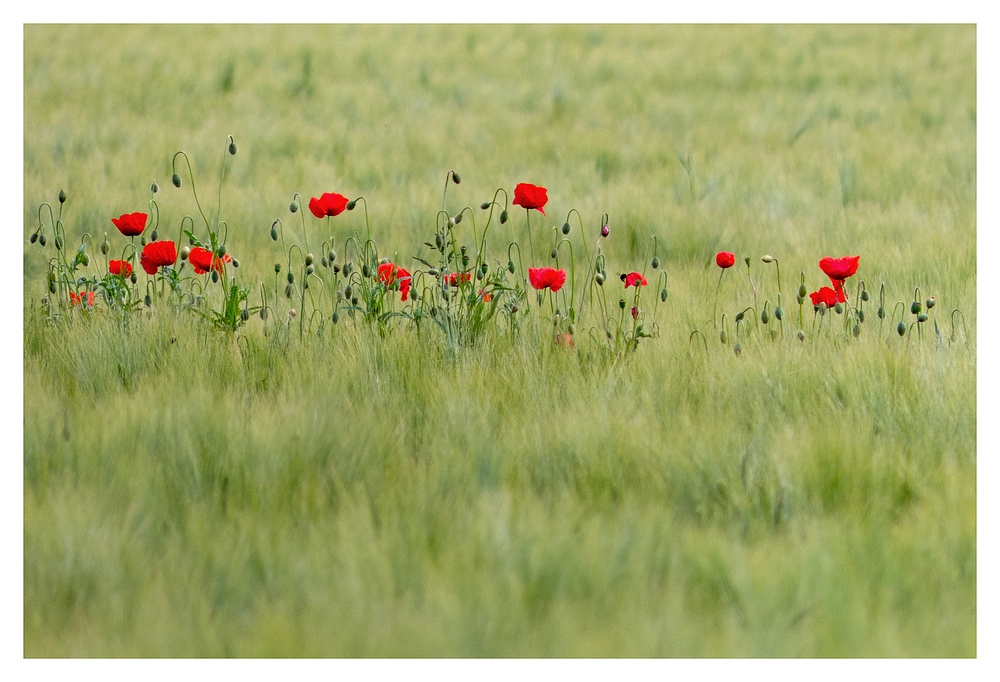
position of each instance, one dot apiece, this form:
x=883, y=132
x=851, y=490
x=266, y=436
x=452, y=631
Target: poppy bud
x=838, y=308
x=41, y=239
x=930, y=302
x=293, y=207
x=479, y=274
x=457, y=219
x=465, y=261
x=503, y=216
x=821, y=308
x=599, y=278
x=621, y=303
x=290, y=277
x=215, y=275
x=433, y=272
x=901, y=328
x=277, y=268
x=336, y=269
x=348, y=268
x=133, y=278
x=191, y=241
x=154, y=235
x=142, y=241
x=310, y=269
x=354, y=300
x=232, y=149
x=605, y=231
x=856, y=330
x=85, y=259
x=154, y=188
x=915, y=308
x=288, y=291
x=800, y=299
x=263, y=313
x=485, y=205
x=777, y=313
x=554, y=253
x=348, y=290
x=59, y=243
x=881, y=313
x=922, y=317
x=767, y=259
x=861, y=316
x=864, y=295
x=332, y=255
x=236, y=263
x=484, y=268
x=737, y=348
x=514, y=309
x=340, y=294
x=635, y=312
x=310, y=259
x=801, y=335
x=351, y=204
x=437, y=241
x=325, y=262
x=33, y=238
x=366, y=271
x=803, y=292
x=52, y=286
x=663, y=295
x=62, y=196
x=148, y=300
x=176, y=179
x=244, y=314
x=221, y=251
x=105, y=247
x=764, y=316
x=655, y=262
x=455, y=178
x=566, y=228
x=723, y=336
x=747, y=261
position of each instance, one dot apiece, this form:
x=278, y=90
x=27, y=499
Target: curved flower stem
x=173, y=167
x=572, y=276
x=752, y=286
x=715, y=307
x=222, y=176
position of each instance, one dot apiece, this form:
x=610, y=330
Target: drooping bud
x=133, y=278
x=221, y=251
x=325, y=262
x=52, y=286
x=293, y=207
x=348, y=269
x=244, y=314
x=503, y=216
x=803, y=292
x=510, y=266
x=84, y=258
x=290, y=277
x=62, y=196
x=457, y=219
x=605, y=230
x=351, y=204
x=737, y=348
x=232, y=149
x=801, y=335
x=142, y=241
x=554, y=253
x=366, y=271
x=724, y=337
x=348, y=291
x=663, y=295
x=881, y=313
x=778, y=313
x=33, y=238
x=332, y=255
x=310, y=259
x=215, y=275
x=335, y=318
x=856, y=330
x=263, y=313
x=861, y=316
x=288, y=291
x=433, y=272
x=599, y=278
x=41, y=239
x=635, y=312
x=354, y=300
x=655, y=262
x=922, y=317
x=566, y=228
x=105, y=247
x=438, y=242
x=148, y=300
x=485, y=205
x=154, y=188
x=310, y=269
x=930, y=302
x=176, y=179
x=864, y=295
x=915, y=308
x=838, y=308
x=454, y=176
x=901, y=328
x=767, y=258
x=154, y=235
x=764, y=317
x=59, y=243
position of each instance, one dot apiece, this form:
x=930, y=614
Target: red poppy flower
x=120, y=267
x=202, y=260
x=156, y=255
x=485, y=295
x=130, y=224
x=530, y=196
x=824, y=295
x=455, y=278
x=389, y=274
x=838, y=270
x=547, y=278
x=724, y=259
x=86, y=297
x=634, y=279
x=328, y=204
x=565, y=340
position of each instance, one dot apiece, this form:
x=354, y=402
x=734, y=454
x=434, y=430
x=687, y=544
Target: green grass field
x=374, y=491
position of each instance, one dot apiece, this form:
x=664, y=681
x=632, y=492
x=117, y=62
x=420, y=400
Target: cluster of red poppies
x=837, y=269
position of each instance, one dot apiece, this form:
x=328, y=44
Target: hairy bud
x=566, y=228
x=62, y=196
x=176, y=179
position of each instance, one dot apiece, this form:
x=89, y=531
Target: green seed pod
x=553, y=254
x=176, y=179
x=33, y=238
x=438, y=242
x=62, y=196
x=366, y=271
x=351, y=204
x=464, y=249
x=503, y=216
x=332, y=255
x=922, y=317
x=881, y=313
x=154, y=235
x=215, y=275
x=485, y=205
x=293, y=207
x=454, y=176
x=310, y=259
x=803, y=292
x=764, y=317
x=621, y=303
x=747, y=261
x=354, y=300
x=310, y=269
x=663, y=295
x=232, y=149
x=655, y=262
x=335, y=318
x=838, y=308
x=263, y=313
x=41, y=239
x=133, y=278
x=566, y=228
x=105, y=247
x=277, y=268
x=510, y=266
x=861, y=316
x=915, y=308
x=59, y=243
x=465, y=261
x=244, y=314
x=737, y=348
x=290, y=277
x=930, y=302
x=864, y=295
x=457, y=219
x=479, y=274
x=901, y=328
x=777, y=313
x=801, y=335
x=288, y=291
x=148, y=300
x=154, y=188
x=856, y=330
